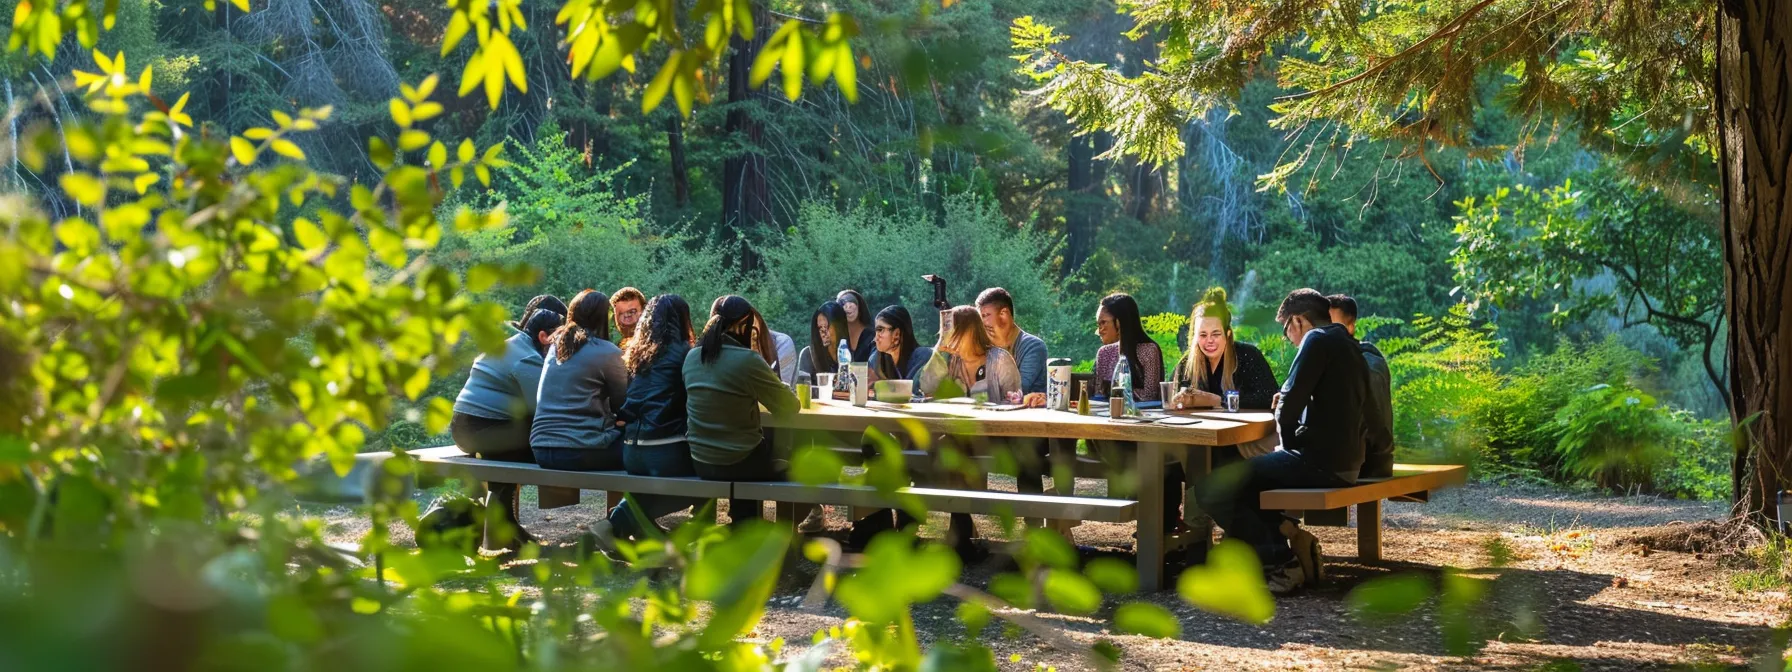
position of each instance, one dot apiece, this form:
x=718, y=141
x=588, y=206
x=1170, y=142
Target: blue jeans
x=671, y=460
x=1233, y=493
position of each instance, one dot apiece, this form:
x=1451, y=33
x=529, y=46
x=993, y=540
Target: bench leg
x=1150, y=494
x=550, y=497
x=1368, y=531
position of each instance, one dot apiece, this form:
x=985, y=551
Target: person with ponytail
x=726, y=381
x=583, y=381
x=496, y=408
x=1121, y=330
x=1216, y=362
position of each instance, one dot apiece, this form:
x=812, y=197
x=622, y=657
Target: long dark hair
x=666, y=320
x=898, y=318
x=1125, y=313
x=590, y=318
x=728, y=316
x=540, y=302
x=854, y=297
x=823, y=353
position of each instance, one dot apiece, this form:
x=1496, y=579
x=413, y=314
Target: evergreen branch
x=1448, y=30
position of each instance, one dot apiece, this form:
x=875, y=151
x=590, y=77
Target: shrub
x=1615, y=435
x=884, y=255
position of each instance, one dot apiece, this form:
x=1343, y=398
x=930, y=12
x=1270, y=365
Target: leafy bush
x=1443, y=379
x=569, y=223
x=883, y=256
x=1614, y=435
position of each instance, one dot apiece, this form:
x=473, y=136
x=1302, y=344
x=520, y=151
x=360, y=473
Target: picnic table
x=1189, y=443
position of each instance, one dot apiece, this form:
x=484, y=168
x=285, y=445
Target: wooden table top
x=1215, y=428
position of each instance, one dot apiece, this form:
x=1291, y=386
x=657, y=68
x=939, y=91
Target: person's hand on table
x=1275, y=403
x=1190, y=397
x=1034, y=400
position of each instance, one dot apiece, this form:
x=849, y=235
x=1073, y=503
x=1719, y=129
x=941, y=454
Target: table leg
x=1062, y=456
x=1196, y=470
x=1150, y=546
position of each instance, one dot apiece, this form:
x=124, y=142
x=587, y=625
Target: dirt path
x=1569, y=596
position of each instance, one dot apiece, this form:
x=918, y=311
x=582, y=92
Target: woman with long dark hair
x=496, y=407
x=858, y=332
x=1121, y=330
x=653, y=416
x=582, y=383
x=826, y=329
x=726, y=381
x=898, y=356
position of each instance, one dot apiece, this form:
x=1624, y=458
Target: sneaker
x=1306, y=551
x=1285, y=578
x=815, y=523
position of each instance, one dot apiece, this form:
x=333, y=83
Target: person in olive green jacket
x=726, y=381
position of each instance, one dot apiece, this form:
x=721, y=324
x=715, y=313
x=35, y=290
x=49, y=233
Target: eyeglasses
x=1287, y=327
x=885, y=330
x=629, y=314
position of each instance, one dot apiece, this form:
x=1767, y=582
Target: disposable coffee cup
x=1057, y=385
x=860, y=382
x=824, y=385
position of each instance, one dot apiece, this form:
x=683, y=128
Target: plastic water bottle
x=1123, y=378
x=843, y=380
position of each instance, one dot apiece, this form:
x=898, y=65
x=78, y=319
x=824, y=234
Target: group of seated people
x=657, y=397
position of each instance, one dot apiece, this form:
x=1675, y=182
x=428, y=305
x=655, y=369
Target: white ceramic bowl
x=893, y=391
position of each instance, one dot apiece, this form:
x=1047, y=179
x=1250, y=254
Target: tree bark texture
x=681, y=176
x=1754, y=108
x=746, y=190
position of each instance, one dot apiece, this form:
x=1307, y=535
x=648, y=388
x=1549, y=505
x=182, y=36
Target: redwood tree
x=1693, y=82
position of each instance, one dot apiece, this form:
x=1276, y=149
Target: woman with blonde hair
x=1217, y=363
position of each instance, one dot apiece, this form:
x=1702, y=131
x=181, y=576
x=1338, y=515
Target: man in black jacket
x=1320, y=420
x=1378, y=407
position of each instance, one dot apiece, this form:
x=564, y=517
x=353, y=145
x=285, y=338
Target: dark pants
x=604, y=458
x=671, y=460
x=1232, y=495
x=759, y=465
x=1119, y=455
x=499, y=441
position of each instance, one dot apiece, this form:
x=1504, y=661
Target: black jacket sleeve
x=1303, y=377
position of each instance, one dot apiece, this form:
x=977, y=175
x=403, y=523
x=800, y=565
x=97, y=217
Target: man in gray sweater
x=996, y=306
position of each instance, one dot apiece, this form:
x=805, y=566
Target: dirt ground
x=1567, y=591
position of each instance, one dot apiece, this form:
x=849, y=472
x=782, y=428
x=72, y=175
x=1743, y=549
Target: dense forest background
x=1551, y=308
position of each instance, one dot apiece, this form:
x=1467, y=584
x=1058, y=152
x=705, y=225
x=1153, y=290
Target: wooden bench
x=561, y=488
x=982, y=502
x=1329, y=506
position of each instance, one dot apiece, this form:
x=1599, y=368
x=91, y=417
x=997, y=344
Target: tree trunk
x=746, y=193
x=681, y=177
x=1079, y=223
x=1754, y=111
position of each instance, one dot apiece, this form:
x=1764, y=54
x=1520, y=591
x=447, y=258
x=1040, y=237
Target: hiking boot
x=1285, y=578
x=503, y=529
x=814, y=523
x=1306, y=551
